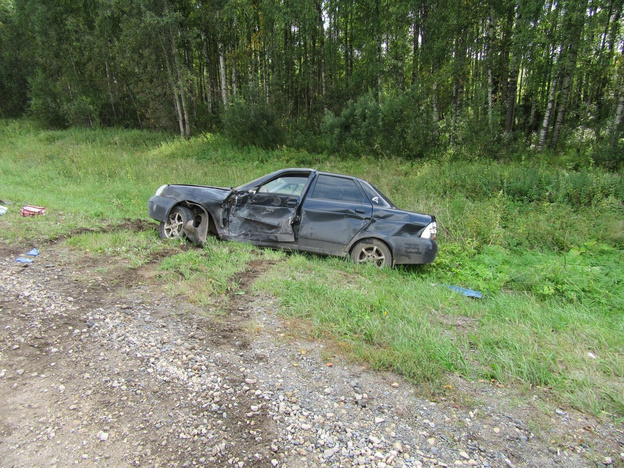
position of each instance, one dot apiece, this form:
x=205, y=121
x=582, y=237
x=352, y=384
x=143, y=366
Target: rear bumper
x=414, y=251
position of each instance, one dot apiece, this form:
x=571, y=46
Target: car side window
x=337, y=189
x=374, y=195
x=288, y=185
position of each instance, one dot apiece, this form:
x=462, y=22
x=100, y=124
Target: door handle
x=360, y=210
x=291, y=202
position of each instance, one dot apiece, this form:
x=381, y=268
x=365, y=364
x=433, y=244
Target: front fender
x=158, y=207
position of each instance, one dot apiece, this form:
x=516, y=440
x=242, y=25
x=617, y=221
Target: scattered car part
x=30, y=210
x=466, y=292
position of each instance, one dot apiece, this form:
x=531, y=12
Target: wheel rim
x=372, y=254
x=173, y=227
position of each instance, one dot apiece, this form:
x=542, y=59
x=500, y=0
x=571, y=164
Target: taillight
x=430, y=232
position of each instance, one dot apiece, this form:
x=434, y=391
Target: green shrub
x=396, y=127
x=407, y=130
x=205, y=119
x=355, y=130
x=45, y=102
x=248, y=124
x=610, y=155
x=81, y=112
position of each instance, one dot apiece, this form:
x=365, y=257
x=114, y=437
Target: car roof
x=306, y=170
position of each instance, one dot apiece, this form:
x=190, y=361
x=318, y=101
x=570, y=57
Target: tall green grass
x=542, y=242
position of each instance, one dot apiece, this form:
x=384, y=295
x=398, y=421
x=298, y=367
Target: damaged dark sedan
x=300, y=209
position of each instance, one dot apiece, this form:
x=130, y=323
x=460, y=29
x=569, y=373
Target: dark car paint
x=298, y=222
x=331, y=225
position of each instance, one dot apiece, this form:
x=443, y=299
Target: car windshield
x=296, y=173
x=250, y=185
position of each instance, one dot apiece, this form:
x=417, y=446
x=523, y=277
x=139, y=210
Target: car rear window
x=337, y=189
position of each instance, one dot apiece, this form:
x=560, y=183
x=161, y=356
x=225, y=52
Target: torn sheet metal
x=262, y=217
x=269, y=224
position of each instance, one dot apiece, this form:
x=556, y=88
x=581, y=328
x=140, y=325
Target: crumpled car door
x=263, y=217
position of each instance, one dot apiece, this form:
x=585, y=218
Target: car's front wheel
x=173, y=227
x=372, y=251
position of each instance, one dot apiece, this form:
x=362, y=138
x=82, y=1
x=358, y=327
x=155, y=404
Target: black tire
x=173, y=227
x=372, y=251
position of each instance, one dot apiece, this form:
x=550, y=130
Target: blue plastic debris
x=24, y=260
x=33, y=252
x=464, y=291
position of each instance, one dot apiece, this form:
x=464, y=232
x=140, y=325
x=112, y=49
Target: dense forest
x=379, y=77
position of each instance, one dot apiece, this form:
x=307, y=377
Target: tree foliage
x=380, y=76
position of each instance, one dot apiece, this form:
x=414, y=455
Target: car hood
x=197, y=193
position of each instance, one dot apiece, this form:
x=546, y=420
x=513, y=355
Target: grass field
x=542, y=241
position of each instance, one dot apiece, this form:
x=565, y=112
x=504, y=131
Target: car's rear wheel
x=372, y=251
x=173, y=227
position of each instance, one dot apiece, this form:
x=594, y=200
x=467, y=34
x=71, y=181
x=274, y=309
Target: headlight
x=430, y=232
x=160, y=189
